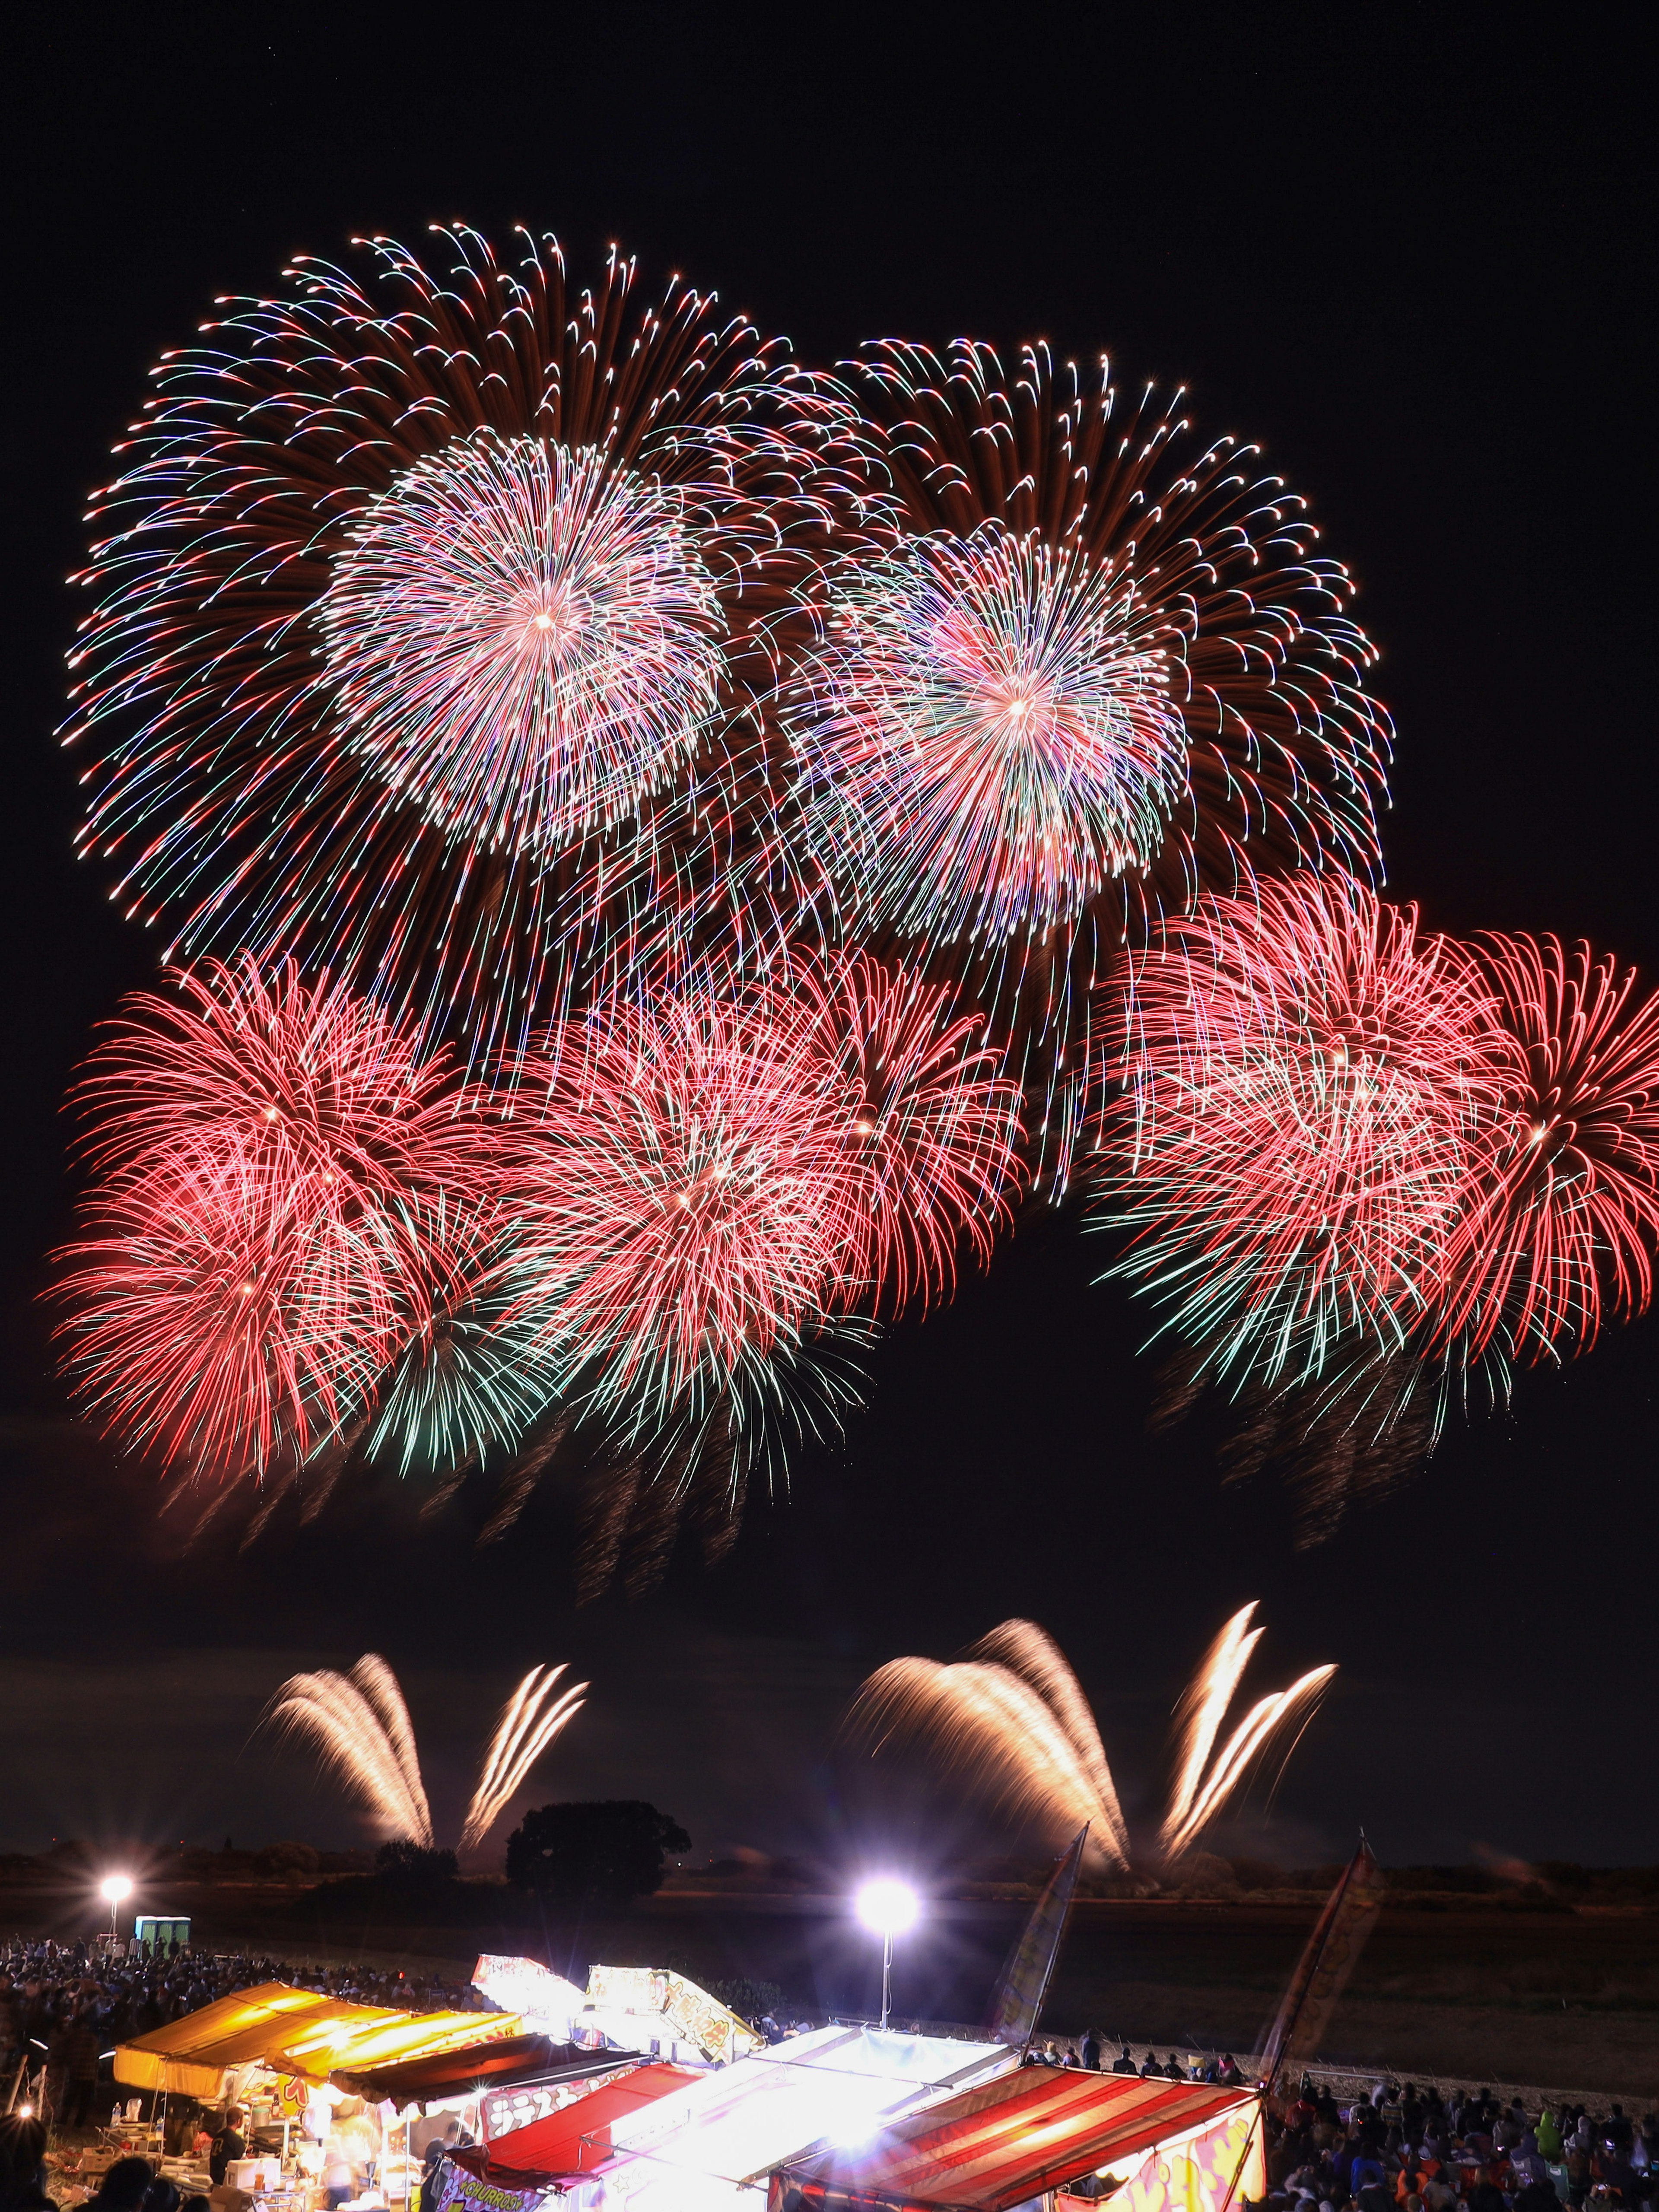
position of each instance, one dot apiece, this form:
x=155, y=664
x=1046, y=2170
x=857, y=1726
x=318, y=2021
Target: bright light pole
x=888, y=1908
x=115, y=1889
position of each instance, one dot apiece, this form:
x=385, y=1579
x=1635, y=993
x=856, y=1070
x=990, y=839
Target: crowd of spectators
x=1406, y=2149
x=65, y=2006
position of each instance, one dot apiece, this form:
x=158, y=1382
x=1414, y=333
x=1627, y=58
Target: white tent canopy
x=709, y=2147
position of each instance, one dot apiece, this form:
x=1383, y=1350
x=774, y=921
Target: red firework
x=1559, y=1225
x=932, y=1126
x=1309, y=1082
x=275, y=1172
x=682, y=1194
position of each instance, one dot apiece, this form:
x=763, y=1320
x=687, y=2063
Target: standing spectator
x=76, y=2109
x=1091, y=2052
x=228, y=2145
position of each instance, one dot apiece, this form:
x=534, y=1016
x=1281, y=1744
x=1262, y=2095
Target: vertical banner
x=1333, y=1951
x=1017, y=2001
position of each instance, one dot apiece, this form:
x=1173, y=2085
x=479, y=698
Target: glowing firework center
x=985, y=737
x=524, y=639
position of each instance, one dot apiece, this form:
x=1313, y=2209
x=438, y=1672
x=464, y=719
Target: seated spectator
x=125, y=2187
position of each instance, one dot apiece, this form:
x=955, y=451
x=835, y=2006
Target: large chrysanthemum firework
x=274, y=1170
x=1309, y=1081
x=1560, y=1216
x=415, y=581
x=1102, y=659
x=988, y=738
x=525, y=640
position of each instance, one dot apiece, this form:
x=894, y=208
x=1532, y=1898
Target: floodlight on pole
x=888, y=1909
x=115, y=1889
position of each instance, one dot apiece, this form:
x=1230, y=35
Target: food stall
x=711, y=2146
x=1042, y=2135
x=645, y=2008
x=297, y=2064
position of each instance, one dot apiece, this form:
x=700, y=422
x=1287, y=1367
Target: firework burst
x=1099, y=658
x=274, y=1168
x=1560, y=1214
x=683, y=1198
x=931, y=1128
x=986, y=737
x=414, y=580
x=1309, y=1078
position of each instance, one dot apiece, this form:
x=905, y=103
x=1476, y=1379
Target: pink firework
x=1559, y=1225
x=525, y=640
x=685, y=1200
x=1309, y=1079
x=275, y=1176
x=932, y=1126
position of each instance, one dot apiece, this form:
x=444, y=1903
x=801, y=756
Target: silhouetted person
x=125, y=2187
x=23, y=2165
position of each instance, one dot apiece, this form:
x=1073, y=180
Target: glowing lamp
x=888, y=1909
x=116, y=1889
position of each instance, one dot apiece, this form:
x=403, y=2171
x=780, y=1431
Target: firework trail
x=1561, y=1215
x=1207, y=1779
x=417, y=578
x=272, y=1167
x=1014, y=1716
x=530, y=1720
x=1308, y=1080
x=361, y=1725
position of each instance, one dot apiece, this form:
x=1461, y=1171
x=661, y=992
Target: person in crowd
x=23, y=2165
x=1125, y=2061
x=125, y=2187
x=228, y=2145
x=1150, y=2068
x=432, y=2162
x=1091, y=2052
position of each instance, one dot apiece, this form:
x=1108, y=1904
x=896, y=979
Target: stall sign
x=464, y=2192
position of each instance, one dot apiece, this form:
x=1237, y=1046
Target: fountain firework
x=361, y=1724
x=1013, y=1714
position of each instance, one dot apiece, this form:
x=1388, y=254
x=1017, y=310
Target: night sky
x=1402, y=246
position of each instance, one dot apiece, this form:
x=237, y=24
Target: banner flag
x=1017, y=2001
x=1332, y=1952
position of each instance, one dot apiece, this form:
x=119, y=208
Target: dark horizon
x=1395, y=249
